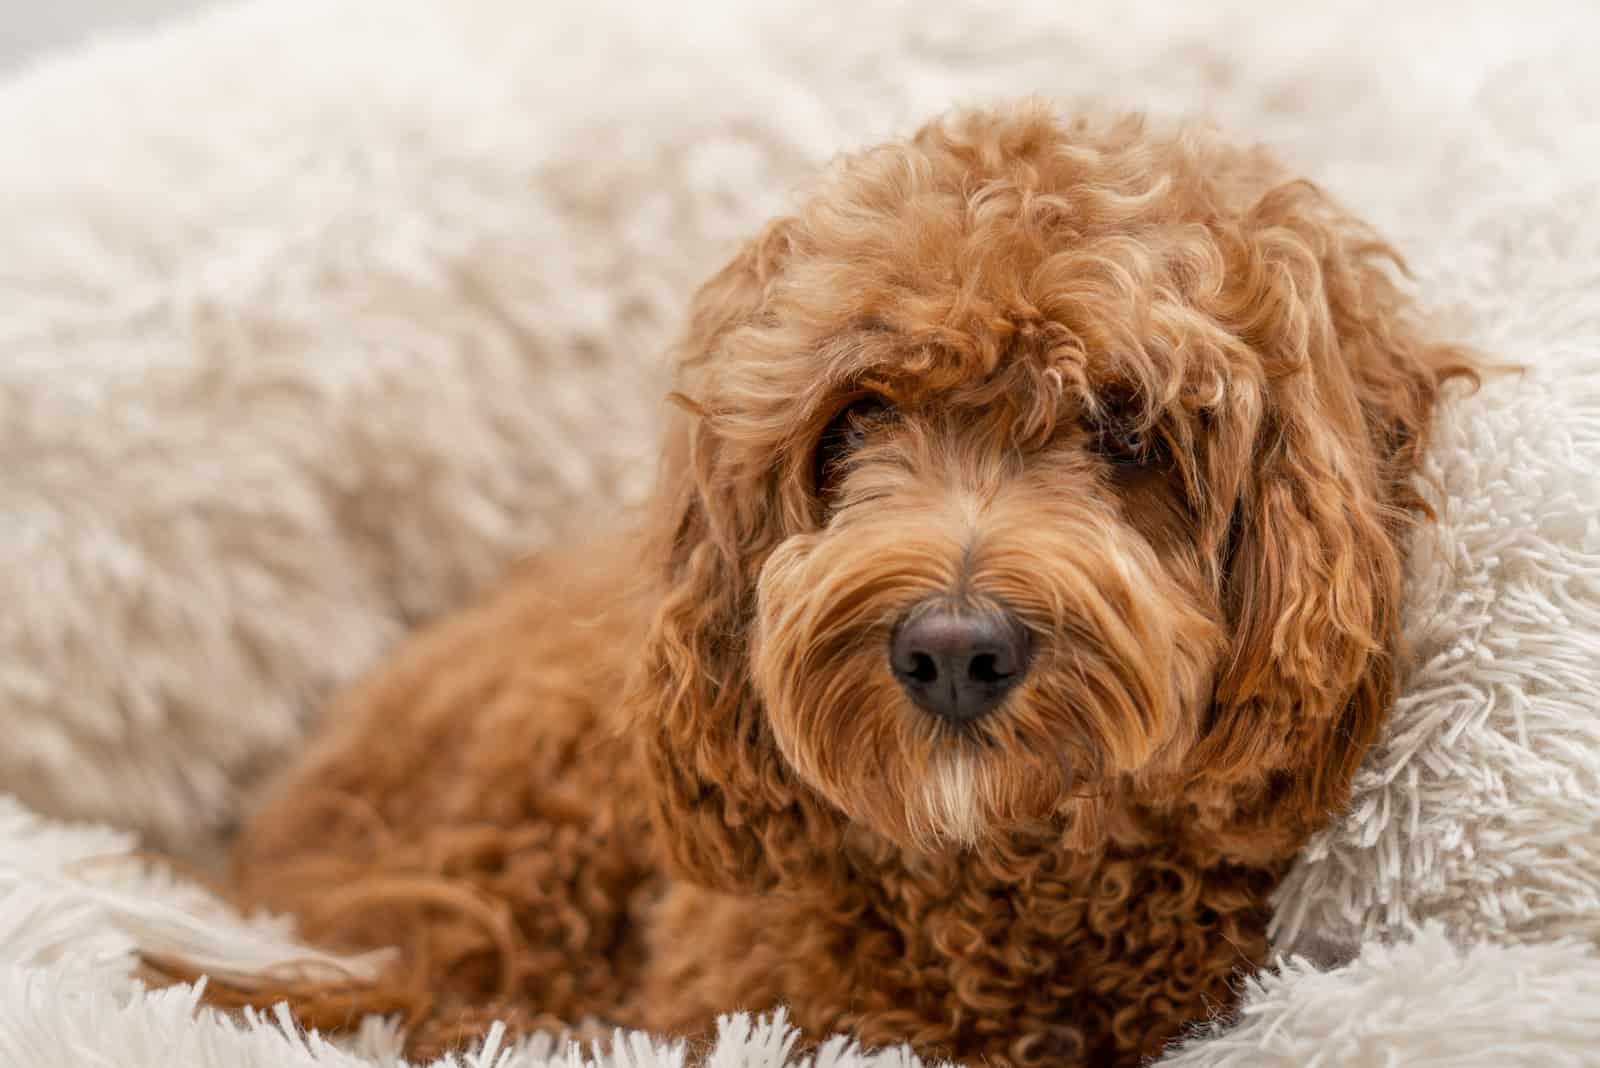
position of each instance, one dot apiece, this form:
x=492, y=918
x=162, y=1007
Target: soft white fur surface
x=1420, y=1003
x=313, y=314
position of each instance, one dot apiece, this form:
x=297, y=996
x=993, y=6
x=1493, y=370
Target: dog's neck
x=1226, y=830
x=1031, y=910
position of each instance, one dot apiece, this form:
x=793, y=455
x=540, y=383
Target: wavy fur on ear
x=1324, y=508
x=729, y=812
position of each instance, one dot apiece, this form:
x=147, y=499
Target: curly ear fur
x=1313, y=571
x=728, y=811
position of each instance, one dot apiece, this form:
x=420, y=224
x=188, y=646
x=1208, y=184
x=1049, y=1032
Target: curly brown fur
x=1148, y=394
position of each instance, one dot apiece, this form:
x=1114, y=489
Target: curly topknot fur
x=1151, y=398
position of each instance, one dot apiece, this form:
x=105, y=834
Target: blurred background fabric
x=31, y=30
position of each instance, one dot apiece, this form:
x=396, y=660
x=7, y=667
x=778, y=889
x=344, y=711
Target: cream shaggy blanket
x=313, y=315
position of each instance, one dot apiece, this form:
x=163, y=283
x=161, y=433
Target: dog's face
x=1001, y=597
x=1030, y=472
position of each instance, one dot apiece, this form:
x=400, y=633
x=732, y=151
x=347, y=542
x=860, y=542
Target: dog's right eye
x=845, y=433
x=1118, y=434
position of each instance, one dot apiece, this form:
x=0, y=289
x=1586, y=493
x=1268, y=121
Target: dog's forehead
x=1058, y=267
x=1028, y=359
x=984, y=316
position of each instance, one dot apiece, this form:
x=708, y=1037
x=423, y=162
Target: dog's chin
x=927, y=790
x=969, y=800
x=955, y=798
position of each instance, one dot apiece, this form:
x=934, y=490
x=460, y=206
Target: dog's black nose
x=958, y=662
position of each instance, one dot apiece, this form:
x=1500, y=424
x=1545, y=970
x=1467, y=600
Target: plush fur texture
x=1145, y=392
x=1459, y=128
x=255, y=432
x=1452, y=817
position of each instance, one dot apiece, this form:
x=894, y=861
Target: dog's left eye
x=845, y=434
x=1123, y=444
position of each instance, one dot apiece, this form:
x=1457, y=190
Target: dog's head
x=1029, y=473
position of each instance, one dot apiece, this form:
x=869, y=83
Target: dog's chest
x=1069, y=960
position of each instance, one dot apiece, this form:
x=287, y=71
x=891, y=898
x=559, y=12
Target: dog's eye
x=846, y=433
x=1123, y=439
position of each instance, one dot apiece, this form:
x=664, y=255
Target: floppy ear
x=1312, y=574
x=728, y=811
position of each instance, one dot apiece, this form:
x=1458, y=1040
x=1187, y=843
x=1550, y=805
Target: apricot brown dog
x=1019, y=594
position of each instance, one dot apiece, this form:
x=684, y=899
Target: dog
x=1018, y=595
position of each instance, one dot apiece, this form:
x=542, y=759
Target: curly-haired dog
x=1020, y=594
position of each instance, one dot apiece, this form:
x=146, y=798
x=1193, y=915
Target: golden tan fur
x=1157, y=398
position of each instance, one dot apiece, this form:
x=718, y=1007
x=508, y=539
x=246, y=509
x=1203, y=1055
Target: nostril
x=923, y=668
x=985, y=667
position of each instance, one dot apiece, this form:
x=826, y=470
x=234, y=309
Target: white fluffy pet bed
x=313, y=314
